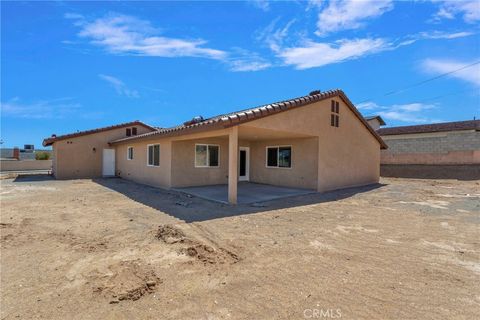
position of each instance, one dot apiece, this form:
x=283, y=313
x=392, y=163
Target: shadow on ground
x=33, y=178
x=190, y=208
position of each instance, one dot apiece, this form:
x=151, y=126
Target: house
x=419, y=150
x=375, y=121
x=318, y=141
x=84, y=154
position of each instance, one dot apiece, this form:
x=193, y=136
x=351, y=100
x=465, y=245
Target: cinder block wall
x=460, y=147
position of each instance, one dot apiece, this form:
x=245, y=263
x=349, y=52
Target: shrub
x=42, y=155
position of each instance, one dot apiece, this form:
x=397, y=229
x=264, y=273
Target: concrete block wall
x=460, y=147
x=450, y=141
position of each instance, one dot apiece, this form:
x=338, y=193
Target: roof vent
x=314, y=92
x=194, y=120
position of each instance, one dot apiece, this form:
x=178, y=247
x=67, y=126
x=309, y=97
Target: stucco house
x=318, y=141
x=87, y=154
x=375, y=121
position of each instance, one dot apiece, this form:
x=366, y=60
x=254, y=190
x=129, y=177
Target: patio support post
x=232, y=165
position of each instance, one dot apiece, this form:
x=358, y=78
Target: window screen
x=154, y=155
x=272, y=157
x=201, y=155
x=285, y=157
x=213, y=156
x=150, y=155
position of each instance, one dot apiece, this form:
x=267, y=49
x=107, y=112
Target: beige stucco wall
x=76, y=157
x=347, y=156
x=302, y=174
x=374, y=123
x=137, y=168
x=184, y=172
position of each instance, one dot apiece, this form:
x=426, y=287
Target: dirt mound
x=127, y=280
x=206, y=253
x=170, y=234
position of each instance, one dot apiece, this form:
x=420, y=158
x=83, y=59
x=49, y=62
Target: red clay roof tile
x=235, y=118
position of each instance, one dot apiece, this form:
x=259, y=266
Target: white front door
x=108, y=167
x=244, y=164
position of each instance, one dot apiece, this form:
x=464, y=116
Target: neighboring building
x=319, y=141
x=435, y=145
x=375, y=122
x=27, y=153
x=80, y=154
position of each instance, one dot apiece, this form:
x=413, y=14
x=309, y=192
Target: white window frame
x=278, y=157
x=208, y=155
x=159, y=152
x=128, y=153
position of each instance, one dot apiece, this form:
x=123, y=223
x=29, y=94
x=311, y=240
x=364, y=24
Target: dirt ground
x=112, y=249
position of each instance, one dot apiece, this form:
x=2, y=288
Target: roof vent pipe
x=194, y=120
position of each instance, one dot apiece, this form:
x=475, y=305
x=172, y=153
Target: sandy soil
x=112, y=249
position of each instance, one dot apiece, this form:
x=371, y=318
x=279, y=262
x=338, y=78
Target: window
x=279, y=157
x=207, y=155
x=130, y=153
x=153, y=155
x=334, y=117
x=134, y=131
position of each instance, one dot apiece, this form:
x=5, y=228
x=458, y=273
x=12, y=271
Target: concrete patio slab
x=248, y=192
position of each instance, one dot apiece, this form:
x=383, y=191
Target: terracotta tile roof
x=434, y=127
x=49, y=141
x=242, y=116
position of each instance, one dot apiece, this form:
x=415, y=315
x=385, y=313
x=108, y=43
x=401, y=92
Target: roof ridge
x=238, y=117
x=48, y=141
x=432, y=127
x=228, y=116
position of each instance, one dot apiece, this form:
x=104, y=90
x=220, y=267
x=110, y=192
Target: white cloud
x=261, y=4
x=411, y=112
x=346, y=14
x=439, y=66
x=246, y=65
x=274, y=37
x=468, y=9
x=444, y=35
x=123, y=34
x=316, y=54
x=119, y=86
x=310, y=54
x=44, y=109
x=241, y=60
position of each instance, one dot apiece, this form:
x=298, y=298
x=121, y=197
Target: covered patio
x=231, y=165
x=247, y=192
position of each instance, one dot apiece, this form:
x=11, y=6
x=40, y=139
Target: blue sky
x=68, y=66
